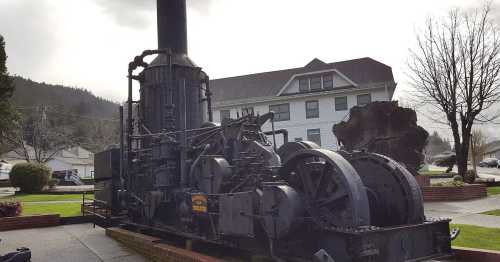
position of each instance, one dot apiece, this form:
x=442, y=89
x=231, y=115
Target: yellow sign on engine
x=199, y=203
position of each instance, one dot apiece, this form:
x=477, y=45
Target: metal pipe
x=274, y=133
x=208, y=95
x=195, y=163
x=172, y=25
x=176, y=132
x=122, y=144
x=129, y=125
x=183, y=134
x=283, y=132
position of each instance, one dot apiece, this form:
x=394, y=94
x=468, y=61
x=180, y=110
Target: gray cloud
x=29, y=36
x=134, y=13
x=129, y=13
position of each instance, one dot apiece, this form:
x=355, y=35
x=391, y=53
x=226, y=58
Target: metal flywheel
x=330, y=187
x=394, y=195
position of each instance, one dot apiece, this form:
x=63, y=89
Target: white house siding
x=58, y=165
x=493, y=154
x=84, y=171
x=298, y=125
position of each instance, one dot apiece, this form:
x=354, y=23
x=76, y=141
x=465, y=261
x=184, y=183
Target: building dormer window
x=304, y=85
x=328, y=81
x=315, y=83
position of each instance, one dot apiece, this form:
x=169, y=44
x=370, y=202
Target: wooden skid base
x=153, y=250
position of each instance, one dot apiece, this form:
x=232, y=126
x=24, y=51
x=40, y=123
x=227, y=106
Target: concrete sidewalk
x=466, y=212
x=73, y=243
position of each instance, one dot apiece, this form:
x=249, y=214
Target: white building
x=492, y=150
x=73, y=159
x=307, y=101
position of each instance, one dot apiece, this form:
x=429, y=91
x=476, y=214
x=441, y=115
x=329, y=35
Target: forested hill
x=77, y=115
x=29, y=94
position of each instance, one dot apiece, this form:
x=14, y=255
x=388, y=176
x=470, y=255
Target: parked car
x=489, y=162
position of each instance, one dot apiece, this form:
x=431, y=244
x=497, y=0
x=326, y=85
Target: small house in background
x=76, y=160
x=5, y=168
x=492, y=150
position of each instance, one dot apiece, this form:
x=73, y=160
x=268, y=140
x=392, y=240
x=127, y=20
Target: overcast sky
x=88, y=43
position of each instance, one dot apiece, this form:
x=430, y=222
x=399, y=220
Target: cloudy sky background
x=88, y=43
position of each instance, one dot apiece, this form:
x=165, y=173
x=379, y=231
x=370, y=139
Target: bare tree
x=38, y=141
x=477, y=147
x=456, y=69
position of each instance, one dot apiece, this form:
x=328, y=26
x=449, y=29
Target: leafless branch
x=456, y=69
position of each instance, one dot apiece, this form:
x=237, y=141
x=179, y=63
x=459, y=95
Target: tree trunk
x=460, y=161
x=473, y=151
x=458, y=145
x=464, y=152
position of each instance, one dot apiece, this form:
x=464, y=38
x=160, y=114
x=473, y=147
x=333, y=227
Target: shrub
x=458, y=178
x=29, y=177
x=470, y=176
x=10, y=209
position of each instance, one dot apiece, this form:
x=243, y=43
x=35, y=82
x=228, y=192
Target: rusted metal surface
x=384, y=128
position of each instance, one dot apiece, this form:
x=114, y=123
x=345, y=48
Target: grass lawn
x=477, y=237
x=63, y=209
x=69, y=209
x=494, y=190
x=45, y=198
x=495, y=212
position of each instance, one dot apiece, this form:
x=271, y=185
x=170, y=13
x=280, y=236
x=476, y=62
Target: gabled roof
x=361, y=71
x=315, y=64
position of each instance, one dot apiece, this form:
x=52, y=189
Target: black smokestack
x=172, y=25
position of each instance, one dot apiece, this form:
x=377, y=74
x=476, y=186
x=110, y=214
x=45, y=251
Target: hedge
x=29, y=177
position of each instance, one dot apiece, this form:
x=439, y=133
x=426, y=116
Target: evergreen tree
x=8, y=115
x=436, y=144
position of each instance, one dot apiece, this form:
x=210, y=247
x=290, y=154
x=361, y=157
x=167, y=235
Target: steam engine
x=178, y=172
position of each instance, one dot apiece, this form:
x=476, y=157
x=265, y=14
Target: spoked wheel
x=394, y=195
x=288, y=149
x=332, y=191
